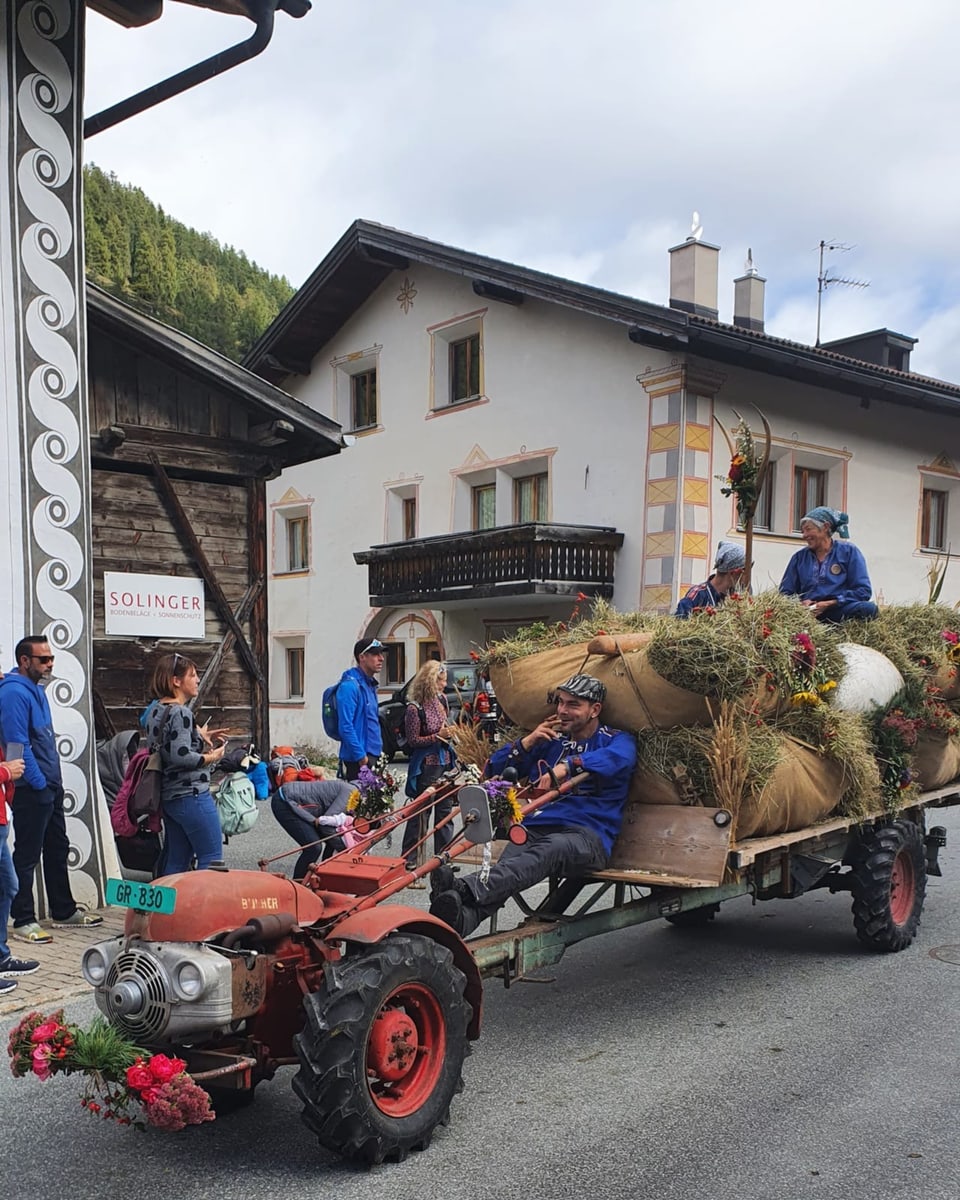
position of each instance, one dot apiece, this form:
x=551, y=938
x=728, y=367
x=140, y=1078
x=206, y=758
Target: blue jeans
x=8, y=889
x=192, y=828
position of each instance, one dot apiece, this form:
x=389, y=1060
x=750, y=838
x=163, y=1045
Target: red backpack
x=137, y=803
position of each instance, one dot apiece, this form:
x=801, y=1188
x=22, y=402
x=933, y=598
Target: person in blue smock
x=829, y=576
x=727, y=574
x=571, y=835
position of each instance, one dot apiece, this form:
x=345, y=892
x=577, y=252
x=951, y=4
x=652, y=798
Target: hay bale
x=637, y=697
x=746, y=649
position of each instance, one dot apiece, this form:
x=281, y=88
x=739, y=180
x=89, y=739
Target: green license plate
x=144, y=896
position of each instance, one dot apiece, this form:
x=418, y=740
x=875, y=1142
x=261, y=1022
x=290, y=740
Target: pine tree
x=187, y=278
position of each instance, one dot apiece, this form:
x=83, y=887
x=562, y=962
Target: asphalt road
x=763, y=1057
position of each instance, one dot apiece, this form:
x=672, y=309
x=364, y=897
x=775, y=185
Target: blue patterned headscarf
x=829, y=518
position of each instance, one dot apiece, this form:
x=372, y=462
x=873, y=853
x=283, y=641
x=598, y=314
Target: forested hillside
x=180, y=276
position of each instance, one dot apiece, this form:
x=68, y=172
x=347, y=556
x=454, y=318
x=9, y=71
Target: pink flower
x=41, y=1060
x=44, y=1032
x=149, y=1095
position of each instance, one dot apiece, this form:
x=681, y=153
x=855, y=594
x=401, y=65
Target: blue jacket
x=609, y=756
x=25, y=717
x=842, y=576
x=358, y=716
x=701, y=595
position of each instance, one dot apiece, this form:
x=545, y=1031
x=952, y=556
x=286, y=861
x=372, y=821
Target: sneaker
x=31, y=932
x=78, y=920
x=14, y=968
x=7, y=985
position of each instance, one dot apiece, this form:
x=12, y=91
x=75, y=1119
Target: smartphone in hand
x=12, y=751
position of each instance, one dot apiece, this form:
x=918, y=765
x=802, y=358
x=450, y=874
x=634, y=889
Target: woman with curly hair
x=427, y=728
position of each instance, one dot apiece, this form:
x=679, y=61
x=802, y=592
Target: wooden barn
x=182, y=441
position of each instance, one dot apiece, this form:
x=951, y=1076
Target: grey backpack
x=237, y=804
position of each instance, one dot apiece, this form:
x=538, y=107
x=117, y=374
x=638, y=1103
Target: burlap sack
x=947, y=679
x=936, y=760
x=637, y=697
x=803, y=789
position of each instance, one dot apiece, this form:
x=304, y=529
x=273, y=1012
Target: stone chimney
x=693, y=277
x=748, y=293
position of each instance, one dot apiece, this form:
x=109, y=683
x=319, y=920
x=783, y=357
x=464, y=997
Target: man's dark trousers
x=40, y=831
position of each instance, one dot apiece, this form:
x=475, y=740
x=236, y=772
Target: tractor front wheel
x=888, y=885
x=382, y=1049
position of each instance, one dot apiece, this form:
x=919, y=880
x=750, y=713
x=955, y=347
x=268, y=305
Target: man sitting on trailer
x=571, y=835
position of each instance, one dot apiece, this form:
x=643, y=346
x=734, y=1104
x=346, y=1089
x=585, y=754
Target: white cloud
x=577, y=139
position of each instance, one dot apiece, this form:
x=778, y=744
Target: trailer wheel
x=694, y=918
x=381, y=1052
x=888, y=885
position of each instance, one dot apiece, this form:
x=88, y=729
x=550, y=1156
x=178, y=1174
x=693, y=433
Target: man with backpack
x=355, y=702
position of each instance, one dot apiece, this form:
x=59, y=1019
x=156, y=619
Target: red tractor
x=241, y=972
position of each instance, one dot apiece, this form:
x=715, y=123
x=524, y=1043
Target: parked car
x=468, y=696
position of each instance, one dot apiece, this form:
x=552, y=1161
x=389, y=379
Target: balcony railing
x=511, y=560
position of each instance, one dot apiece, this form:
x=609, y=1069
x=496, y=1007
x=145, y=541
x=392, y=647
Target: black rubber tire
x=695, y=918
x=338, y=1102
x=887, y=860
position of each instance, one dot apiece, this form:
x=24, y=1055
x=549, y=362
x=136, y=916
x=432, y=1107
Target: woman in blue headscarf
x=830, y=577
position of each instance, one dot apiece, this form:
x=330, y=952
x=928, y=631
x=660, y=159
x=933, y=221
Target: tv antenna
x=825, y=279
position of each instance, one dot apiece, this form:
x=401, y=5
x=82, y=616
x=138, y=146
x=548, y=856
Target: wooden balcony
x=511, y=560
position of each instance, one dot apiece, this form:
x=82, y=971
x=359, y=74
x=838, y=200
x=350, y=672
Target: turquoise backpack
x=237, y=804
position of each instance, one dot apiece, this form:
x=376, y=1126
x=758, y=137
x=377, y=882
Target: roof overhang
x=314, y=436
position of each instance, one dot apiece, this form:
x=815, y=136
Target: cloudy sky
x=576, y=137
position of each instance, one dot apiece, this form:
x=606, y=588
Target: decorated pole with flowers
x=749, y=466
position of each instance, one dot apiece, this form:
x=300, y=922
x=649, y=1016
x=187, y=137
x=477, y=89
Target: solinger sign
x=160, y=606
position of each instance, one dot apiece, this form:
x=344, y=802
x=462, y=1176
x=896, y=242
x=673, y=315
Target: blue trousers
x=192, y=830
x=41, y=832
x=866, y=609
x=8, y=889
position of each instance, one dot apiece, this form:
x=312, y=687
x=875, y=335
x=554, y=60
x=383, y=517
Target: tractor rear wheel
x=888, y=885
x=382, y=1050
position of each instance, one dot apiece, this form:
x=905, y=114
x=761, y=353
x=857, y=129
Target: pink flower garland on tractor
x=122, y=1084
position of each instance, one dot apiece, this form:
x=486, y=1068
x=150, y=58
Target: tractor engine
x=195, y=974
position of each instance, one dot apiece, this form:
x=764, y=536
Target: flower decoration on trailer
x=504, y=806
x=743, y=478
x=123, y=1084
x=376, y=788
x=952, y=645
x=895, y=734
x=809, y=682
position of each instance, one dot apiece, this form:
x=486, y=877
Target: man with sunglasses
x=39, y=824
x=358, y=715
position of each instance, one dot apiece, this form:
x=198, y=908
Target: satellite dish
x=696, y=229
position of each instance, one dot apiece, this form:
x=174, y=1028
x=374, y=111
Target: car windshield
x=461, y=679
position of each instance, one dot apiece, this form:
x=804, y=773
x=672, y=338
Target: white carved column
x=45, y=539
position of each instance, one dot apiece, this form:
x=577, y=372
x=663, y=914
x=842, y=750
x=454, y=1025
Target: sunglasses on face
x=42, y=658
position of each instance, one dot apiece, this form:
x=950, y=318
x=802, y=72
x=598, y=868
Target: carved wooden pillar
x=45, y=536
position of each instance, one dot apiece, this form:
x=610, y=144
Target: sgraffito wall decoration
x=48, y=541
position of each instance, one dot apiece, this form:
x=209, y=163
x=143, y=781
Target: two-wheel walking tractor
x=241, y=972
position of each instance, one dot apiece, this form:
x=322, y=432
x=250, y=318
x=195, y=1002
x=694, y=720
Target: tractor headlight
x=188, y=980
x=94, y=966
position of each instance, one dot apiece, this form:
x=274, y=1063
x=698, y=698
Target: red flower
x=148, y=1095
x=582, y=596
x=138, y=1076
x=93, y=1106
x=45, y=1032
x=163, y=1068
